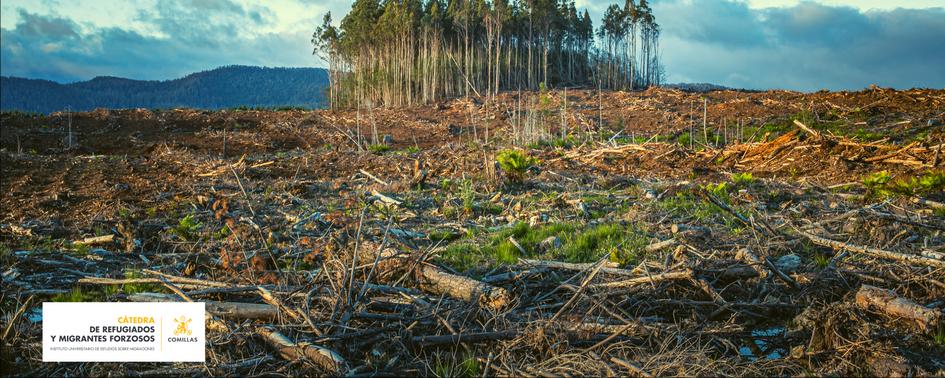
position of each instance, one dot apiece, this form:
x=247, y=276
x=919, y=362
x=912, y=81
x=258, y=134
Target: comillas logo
x=183, y=329
x=182, y=326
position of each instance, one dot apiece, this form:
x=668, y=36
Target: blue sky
x=809, y=45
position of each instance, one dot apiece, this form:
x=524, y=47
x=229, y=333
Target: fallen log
x=95, y=240
x=124, y=281
x=929, y=203
x=889, y=155
x=608, y=267
x=458, y=338
x=230, y=310
x=812, y=132
x=693, y=231
x=655, y=247
x=386, y=199
x=875, y=252
x=438, y=281
x=885, y=301
x=289, y=350
x=686, y=274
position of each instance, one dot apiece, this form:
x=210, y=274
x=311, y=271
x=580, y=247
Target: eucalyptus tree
x=399, y=52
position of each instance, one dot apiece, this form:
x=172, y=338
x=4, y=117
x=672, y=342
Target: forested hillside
x=404, y=52
x=224, y=87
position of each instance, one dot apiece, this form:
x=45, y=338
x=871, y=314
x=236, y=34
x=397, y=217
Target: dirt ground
x=658, y=232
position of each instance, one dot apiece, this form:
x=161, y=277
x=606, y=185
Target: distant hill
x=697, y=87
x=224, y=87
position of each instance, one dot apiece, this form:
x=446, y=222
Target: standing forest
x=405, y=52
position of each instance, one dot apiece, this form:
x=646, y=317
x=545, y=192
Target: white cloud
x=747, y=43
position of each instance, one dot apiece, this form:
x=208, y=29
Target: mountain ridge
x=222, y=87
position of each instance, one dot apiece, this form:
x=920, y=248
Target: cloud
x=803, y=45
x=189, y=36
x=723, y=23
x=807, y=46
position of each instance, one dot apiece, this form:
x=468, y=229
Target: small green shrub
x=719, y=190
x=743, y=178
x=931, y=182
x=188, y=227
x=378, y=148
x=881, y=184
x=877, y=179
x=515, y=164
x=468, y=196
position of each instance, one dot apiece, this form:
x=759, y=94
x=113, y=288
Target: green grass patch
x=103, y=292
x=719, y=190
x=685, y=139
x=79, y=294
x=579, y=244
x=450, y=365
x=939, y=335
x=882, y=185
x=685, y=204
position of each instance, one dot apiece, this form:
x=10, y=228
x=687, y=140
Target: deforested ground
x=560, y=233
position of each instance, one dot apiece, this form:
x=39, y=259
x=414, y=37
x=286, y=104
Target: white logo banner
x=123, y=332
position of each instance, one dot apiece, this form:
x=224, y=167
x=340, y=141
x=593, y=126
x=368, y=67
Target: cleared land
x=792, y=234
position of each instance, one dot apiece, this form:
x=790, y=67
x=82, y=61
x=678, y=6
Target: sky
x=757, y=44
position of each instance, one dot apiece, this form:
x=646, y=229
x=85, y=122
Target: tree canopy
x=402, y=52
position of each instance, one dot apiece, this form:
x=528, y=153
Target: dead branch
x=888, y=303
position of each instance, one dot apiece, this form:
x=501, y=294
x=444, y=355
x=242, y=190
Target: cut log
x=95, y=240
x=888, y=303
x=386, y=199
x=438, y=281
x=808, y=130
x=876, y=252
x=289, y=350
x=694, y=231
x=929, y=203
x=655, y=247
